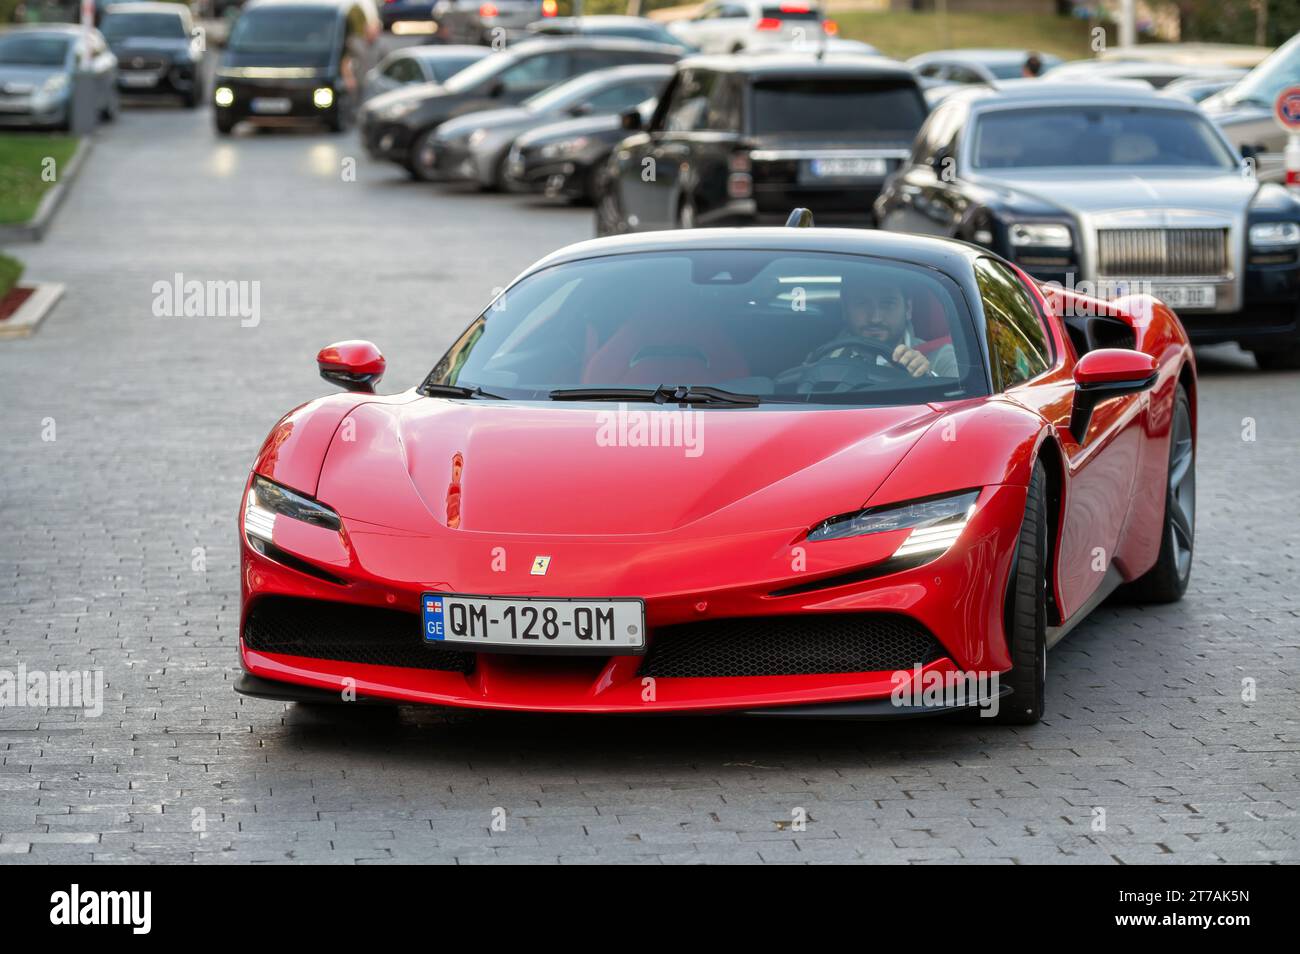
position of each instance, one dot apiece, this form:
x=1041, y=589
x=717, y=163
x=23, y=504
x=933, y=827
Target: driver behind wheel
x=877, y=309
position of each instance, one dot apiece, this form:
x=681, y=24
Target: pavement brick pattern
x=1149, y=753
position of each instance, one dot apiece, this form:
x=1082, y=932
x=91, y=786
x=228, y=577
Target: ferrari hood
x=609, y=470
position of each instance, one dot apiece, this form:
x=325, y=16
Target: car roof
x=66, y=29
x=175, y=9
x=1048, y=92
x=599, y=19
x=339, y=5
x=436, y=51
x=947, y=255
x=589, y=42
x=981, y=55
x=796, y=64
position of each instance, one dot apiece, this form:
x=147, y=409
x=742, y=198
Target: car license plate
x=270, y=105
x=136, y=80
x=1185, y=296
x=613, y=627
x=847, y=167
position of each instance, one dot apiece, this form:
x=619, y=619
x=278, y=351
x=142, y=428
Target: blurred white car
x=729, y=26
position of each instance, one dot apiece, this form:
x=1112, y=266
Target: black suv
x=742, y=140
x=400, y=125
x=294, y=59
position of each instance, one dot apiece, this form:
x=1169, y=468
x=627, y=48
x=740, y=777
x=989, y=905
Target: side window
x=1018, y=345
x=931, y=136
x=723, y=112
x=536, y=72
x=961, y=74
x=622, y=97
x=930, y=71
x=689, y=107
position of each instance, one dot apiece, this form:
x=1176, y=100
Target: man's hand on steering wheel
x=916, y=363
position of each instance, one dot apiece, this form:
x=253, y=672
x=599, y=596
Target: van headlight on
x=936, y=522
x=223, y=96
x=323, y=97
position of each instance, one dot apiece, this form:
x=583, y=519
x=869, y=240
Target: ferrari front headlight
x=267, y=500
x=935, y=522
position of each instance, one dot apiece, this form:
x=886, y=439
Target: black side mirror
x=496, y=89
x=630, y=120
x=1250, y=151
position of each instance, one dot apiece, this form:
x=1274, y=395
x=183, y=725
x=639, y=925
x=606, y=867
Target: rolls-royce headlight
x=1274, y=235
x=1041, y=235
x=936, y=523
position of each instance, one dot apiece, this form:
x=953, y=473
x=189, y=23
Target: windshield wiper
x=458, y=390
x=663, y=394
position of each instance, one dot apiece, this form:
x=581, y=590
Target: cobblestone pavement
x=156, y=422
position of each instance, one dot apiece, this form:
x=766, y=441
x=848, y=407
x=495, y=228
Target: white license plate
x=270, y=105
x=847, y=167
x=613, y=627
x=139, y=79
x=1185, y=296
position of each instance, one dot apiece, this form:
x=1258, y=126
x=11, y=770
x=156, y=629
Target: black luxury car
x=1109, y=190
x=741, y=140
x=294, y=59
x=562, y=159
x=475, y=147
x=400, y=125
x=156, y=51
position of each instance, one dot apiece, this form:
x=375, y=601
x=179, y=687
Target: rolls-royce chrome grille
x=1162, y=252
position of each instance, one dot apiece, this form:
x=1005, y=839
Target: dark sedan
x=400, y=126
x=740, y=140
x=474, y=147
x=155, y=50
x=1110, y=190
x=564, y=159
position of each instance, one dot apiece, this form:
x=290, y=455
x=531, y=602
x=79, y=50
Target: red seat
x=646, y=353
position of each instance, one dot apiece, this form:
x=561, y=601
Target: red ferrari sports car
x=788, y=471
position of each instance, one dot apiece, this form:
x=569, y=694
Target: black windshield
x=158, y=26
x=893, y=110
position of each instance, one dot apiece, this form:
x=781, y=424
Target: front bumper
x=250, y=95
x=176, y=79
x=386, y=140
x=957, y=599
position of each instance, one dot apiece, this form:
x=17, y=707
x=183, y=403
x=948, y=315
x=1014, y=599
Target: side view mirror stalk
x=1107, y=373
x=631, y=120
x=352, y=365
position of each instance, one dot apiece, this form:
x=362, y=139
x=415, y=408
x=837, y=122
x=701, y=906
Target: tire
x=1026, y=617
x=111, y=107
x=1166, y=582
x=225, y=123
x=686, y=214
x=421, y=166
x=1284, y=358
x=191, y=99
x=609, y=212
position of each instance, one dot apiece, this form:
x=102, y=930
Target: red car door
x=1033, y=361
